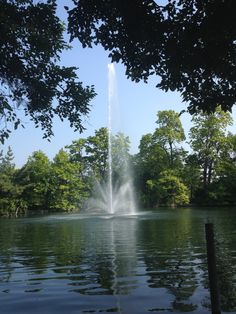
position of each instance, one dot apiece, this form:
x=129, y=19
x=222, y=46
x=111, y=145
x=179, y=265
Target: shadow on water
x=80, y=263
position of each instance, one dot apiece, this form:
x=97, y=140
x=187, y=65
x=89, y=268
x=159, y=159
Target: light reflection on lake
x=153, y=262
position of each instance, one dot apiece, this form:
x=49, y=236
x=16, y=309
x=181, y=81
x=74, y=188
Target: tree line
x=164, y=172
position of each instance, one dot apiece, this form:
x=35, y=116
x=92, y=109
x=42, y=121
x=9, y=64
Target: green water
x=154, y=262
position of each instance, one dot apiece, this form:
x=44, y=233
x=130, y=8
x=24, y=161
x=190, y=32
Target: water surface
x=153, y=262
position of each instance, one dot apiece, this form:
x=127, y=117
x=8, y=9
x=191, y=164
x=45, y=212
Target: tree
x=149, y=162
x=67, y=189
x=91, y=156
x=169, y=189
x=11, y=202
x=191, y=174
x=34, y=177
x=189, y=44
x=30, y=78
x=208, y=139
x=159, y=152
x=77, y=155
x=169, y=132
x=222, y=190
x=77, y=150
x=120, y=156
x=96, y=149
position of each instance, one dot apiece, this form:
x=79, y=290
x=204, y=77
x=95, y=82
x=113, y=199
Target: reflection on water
x=151, y=262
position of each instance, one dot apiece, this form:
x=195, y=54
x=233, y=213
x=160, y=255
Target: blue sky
x=138, y=102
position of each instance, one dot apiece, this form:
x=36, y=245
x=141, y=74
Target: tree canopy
x=169, y=132
x=31, y=79
x=188, y=44
x=209, y=140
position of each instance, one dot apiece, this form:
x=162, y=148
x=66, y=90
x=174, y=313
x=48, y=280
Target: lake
x=153, y=262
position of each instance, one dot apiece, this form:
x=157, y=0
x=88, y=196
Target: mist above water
x=115, y=198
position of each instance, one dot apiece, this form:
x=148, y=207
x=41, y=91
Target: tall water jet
x=111, y=91
x=115, y=197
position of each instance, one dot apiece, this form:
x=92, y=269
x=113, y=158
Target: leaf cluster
x=189, y=44
x=31, y=41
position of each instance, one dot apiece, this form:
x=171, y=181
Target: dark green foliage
x=52, y=185
x=212, y=147
x=96, y=149
x=67, y=190
x=159, y=152
x=31, y=41
x=191, y=174
x=93, y=155
x=11, y=201
x=206, y=176
x=168, y=133
x=189, y=44
x=168, y=190
x=163, y=172
x=222, y=189
x=149, y=162
x=34, y=178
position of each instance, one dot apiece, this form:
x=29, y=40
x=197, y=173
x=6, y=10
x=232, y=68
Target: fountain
x=114, y=198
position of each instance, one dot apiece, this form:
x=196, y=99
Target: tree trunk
x=171, y=155
x=209, y=172
x=205, y=176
